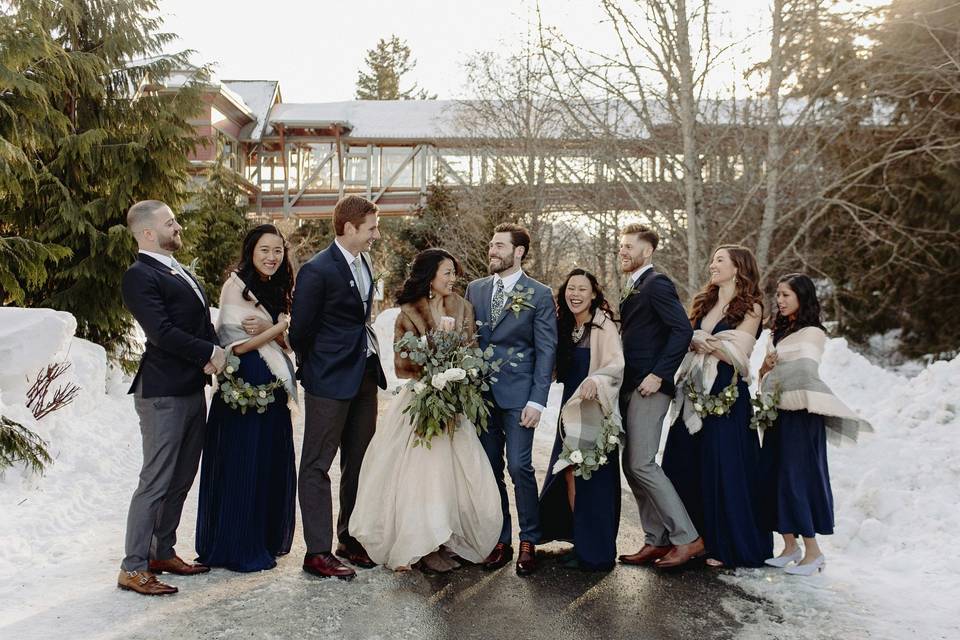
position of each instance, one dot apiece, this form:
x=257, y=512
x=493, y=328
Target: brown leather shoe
x=681, y=554
x=145, y=583
x=647, y=555
x=501, y=555
x=325, y=565
x=177, y=566
x=356, y=555
x=526, y=559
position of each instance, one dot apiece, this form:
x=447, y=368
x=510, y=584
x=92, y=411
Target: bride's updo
x=423, y=270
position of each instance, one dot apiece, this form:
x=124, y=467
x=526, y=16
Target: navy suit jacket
x=533, y=334
x=328, y=327
x=180, y=337
x=655, y=331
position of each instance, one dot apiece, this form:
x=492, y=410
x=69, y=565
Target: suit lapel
x=346, y=271
x=365, y=259
x=482, y=306
x=170, y=272
x=522, y=282
x=629, y=305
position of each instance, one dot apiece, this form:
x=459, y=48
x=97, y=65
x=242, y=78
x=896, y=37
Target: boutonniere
x=379, y=278
x=625, y=295
x=520, y=299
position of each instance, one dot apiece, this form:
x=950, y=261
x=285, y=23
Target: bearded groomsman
x=181, y=353
x=518, y=317
x=656, y=335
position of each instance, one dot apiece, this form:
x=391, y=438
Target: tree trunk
x=772, y=175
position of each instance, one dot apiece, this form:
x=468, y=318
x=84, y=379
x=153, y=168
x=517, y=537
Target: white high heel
x=781, y=561
x=817, y=566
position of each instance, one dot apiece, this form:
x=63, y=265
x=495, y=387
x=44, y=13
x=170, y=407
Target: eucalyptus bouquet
x=455, y=376
x=239, y=394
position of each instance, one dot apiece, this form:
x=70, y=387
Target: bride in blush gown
x=418, y=505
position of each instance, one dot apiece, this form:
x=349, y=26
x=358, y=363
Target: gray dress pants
x=329, y=425
x=662, y=514
x=172, y=429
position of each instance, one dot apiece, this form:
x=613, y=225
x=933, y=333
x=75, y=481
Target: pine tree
x=81, y=145
x=387, y=64
x=214, y=228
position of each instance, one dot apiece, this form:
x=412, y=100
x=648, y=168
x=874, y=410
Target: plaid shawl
x=580, y=419
x=701, y=369
x=233, y=309
x=797, y=375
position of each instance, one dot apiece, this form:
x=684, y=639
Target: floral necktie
x=499, y=300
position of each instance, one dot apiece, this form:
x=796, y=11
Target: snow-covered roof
x=259, y=96
x=381, y=119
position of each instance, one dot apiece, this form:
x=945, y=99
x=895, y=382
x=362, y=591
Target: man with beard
x=518, y=317
x=656, y=335
x=181, y=353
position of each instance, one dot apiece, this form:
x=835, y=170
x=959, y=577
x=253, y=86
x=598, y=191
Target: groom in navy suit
x=339, y=368
x=517, y=313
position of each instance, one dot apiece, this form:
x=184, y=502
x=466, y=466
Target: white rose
x=697, y=406
x=438, y=381
x=230, y=369
x=263, y=394
x=454, y=374
x=419, y=387
x=603, y=459
x=473, y=373
x=718, y=411
x=576, y=457
x=613, y=439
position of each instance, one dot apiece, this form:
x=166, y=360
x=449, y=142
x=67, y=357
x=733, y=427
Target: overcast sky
x=315, y=48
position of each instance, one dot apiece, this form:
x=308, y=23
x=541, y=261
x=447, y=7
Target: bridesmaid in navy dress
x=246, y=510
x=584, y=512
x=795, y=449
x=717, y=470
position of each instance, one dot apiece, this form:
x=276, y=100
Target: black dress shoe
x=355, y=555
x=500, y=556
x=526, y=559
x=324, y=565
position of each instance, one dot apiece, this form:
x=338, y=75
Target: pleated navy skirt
x=247, y=500
x=797, y=475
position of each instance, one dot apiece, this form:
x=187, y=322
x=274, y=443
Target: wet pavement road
x=556, y=602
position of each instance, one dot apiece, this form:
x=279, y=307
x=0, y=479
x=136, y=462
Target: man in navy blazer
x=181, y=353
x=518, y=315
x=340, y=370
x=656, y=335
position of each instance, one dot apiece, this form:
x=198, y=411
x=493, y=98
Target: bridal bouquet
x=452, y=383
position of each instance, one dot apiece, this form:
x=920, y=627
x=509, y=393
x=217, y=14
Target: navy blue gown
x=247, y=508
x=797, y=476
x=595, y=521
x=716, y=472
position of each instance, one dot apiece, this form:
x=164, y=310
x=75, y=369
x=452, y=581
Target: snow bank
x=49, y=523
x=889, y=573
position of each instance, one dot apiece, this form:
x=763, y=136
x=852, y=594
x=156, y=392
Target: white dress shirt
x=167, y=261
x=639, y=272
x=508, y=284
x=362, y=287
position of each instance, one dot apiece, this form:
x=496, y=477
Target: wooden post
x=286, y=174
x=336, y=131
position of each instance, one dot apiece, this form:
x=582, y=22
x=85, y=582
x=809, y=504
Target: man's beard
x=633, y=266
x=171, y=244
x=504, y=265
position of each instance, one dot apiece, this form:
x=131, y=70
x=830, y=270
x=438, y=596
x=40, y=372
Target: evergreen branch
x=19, y=444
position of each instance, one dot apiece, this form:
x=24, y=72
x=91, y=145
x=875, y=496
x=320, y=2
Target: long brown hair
x=747, y=286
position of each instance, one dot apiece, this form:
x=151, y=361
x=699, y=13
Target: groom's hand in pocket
x=529, y=417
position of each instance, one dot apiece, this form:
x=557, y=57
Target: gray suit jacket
x=533, y=334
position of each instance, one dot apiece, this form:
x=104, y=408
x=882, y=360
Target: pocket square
x=352, y=284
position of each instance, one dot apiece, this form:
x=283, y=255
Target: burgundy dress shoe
x=526, y=559
x=647, y=555
x=177, y=566
x=681, y=554
x=501, y=555
x=355, y=555
x=325, y=565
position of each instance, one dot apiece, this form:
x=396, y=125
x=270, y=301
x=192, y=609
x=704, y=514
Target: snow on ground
x=891, y=563
x=891, y=569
